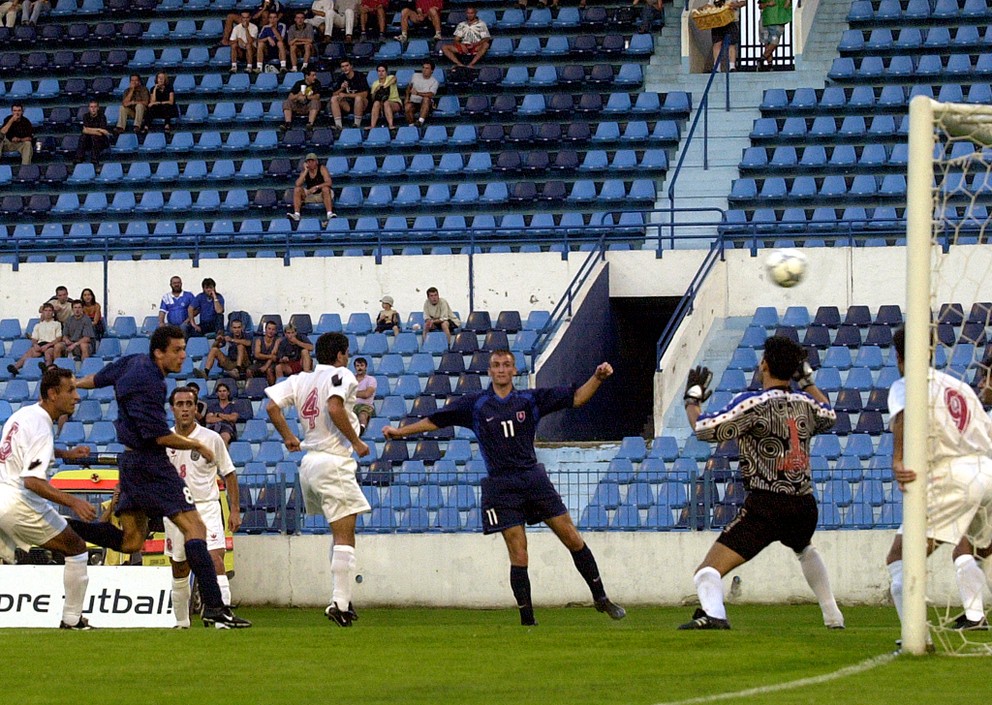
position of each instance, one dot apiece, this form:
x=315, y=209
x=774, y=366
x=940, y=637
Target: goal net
x=948, y=313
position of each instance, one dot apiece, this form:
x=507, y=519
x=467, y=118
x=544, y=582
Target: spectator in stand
x=388, y=319
x=300, y=37
x=650, y=11
x=243, y=38
x=17, y=134
x=425, y=10
x=293, y=353
x=728, y=34
x=351, y=95
x=304, y=99
x=77, y=334
x=313, y=185
x=326, y=16
x=44, y=336
x=364, y=394
x=133, y=105
x=176, y=308
x=385, y=97
x=162, y=103
x=92, y=309
x=438, y=315
x=222, y=414
x=775, y=14
x=349, y=10
x=33, y=10
x=257, y=17
x=379, y=8
x=209, y=306
x=272, y=35
x=236, y=360
x=8, y=12
x=420, y=95
x=60, y=303
x=264, y=354
x=96, y=135
x=472, y=40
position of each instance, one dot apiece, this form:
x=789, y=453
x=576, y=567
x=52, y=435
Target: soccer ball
x=786, y=267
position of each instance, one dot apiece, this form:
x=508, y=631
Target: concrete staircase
x=728, y=130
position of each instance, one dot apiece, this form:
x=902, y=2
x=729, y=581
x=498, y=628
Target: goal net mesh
x=961, y=345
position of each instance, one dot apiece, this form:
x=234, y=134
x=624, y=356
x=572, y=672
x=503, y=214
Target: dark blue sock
x=202, y=566
x=100, y=533
x=520, y=584
x=586, y=564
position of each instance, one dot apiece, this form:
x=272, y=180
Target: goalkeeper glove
x=804, y=375
x=696, y=391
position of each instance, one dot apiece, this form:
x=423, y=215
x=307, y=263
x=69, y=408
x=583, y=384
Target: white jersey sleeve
x=26, y=450
x=897, y=397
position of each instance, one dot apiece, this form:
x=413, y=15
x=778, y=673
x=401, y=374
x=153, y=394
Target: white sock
x=343, y=569
x=74, y=580
x=234, y=65
x=815, y=572
x=282, y=64
x=225, y=589
x=971, y=582
x=180, y=600
x=895, y=572
x=709, y=587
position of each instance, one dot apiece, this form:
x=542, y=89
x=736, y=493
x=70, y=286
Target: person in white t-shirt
x=420, y=95
x=325, y=400
x=200, y=476
x=26, y=516
x=959, y=483
x=242, y=39
x=44, y=337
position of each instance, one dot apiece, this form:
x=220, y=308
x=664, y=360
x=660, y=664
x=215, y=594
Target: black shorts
x=767, y=517
x=524, y=497
x=149, y=483
x=731, y=32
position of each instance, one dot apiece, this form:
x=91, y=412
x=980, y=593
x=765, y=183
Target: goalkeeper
x=773, y=427
x=959, y=484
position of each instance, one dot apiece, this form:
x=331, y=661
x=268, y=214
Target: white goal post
x=938, y=183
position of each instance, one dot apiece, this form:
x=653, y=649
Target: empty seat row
x=789, y=159
x=865, y=12
x=869, y=100
x=905, y=67
x=829, y=129
x=829, y=316
x=814, y=189
x=942, y=39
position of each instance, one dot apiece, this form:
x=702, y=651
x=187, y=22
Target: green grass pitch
x=413, y=656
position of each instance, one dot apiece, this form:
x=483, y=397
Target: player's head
x=167, y=348
x=183, y=402
x=899, y=343
x=58, y=391
x=782, y=357
x=332, y=349
x=502, y=367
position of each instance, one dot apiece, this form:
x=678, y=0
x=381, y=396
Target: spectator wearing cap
x=388, y=319
x=313, y=185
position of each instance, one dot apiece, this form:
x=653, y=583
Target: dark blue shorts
x=150, y=484
x=524, y=497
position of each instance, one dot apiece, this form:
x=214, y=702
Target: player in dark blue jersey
x=517, y=490
x=149, y=484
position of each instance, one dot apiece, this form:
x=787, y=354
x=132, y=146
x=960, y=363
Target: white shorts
x=213, y=518
x=330, y=486
x=959, y=501
x=25, y=525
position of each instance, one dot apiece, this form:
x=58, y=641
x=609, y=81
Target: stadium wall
x=472, y=570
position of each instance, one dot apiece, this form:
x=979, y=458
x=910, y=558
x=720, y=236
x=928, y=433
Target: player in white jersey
x=26, y=516
x=325, y=399
x=200, y=476
x=959, y=490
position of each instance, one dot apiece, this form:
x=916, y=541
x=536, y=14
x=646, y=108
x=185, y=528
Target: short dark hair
x=361, y=360
x=430, y=63
x=52, y=378
x=432, y=290
x=61, y=288
x=502, y=352
x=135, y=75
x=208, y=282
x=73, y=302
x=899, y=342
x=47, y=305
x=783, y=356
x=185, y=389
x=161, y=337
x=329, y=345
x=383, y=66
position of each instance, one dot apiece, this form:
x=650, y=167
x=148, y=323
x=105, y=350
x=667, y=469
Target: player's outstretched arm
x=278, y=420
x=233, y=501
x=422, y=426
x=83, y=509
x=586, y=391
x=86, y=382
x=696, y=392
x=902, y=474
x=177, y=442
x=339, y=417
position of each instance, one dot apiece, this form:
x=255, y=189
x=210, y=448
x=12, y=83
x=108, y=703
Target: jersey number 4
x=310, y=409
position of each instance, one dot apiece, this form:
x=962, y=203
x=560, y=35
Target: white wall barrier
x=117, y=596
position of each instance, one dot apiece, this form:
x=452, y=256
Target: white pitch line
x=861, y=667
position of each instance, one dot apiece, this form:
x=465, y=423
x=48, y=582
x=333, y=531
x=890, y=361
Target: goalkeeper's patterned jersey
x=773, y=428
